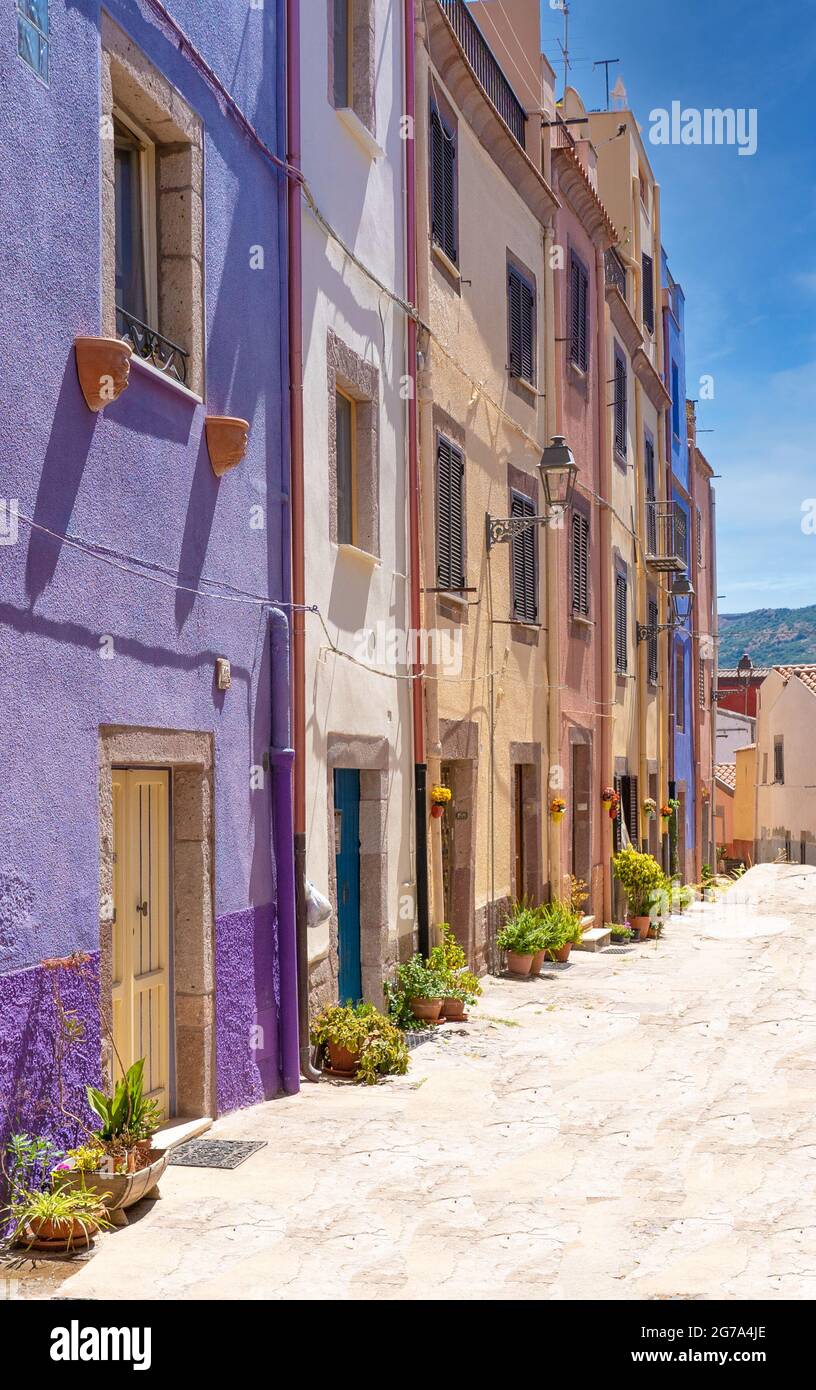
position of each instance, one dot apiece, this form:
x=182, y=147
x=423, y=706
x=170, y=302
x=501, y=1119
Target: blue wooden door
x=347, y=851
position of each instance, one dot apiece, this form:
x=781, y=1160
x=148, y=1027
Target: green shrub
x=126, y=1115
x=449, y=962
x=560, y=923
x=522, y=932
x=641, y=879
x=363, y=1030
x=418, y=980
x=620, y=932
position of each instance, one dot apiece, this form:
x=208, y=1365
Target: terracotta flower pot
x=538, y=960
x=103, y=368
x=562, y=953
x=227, y=439
x=68, y=1231
x=641, y=926
x=519, y=965
x=437, y=810
x=453, y=1008
x=426, y=1009
x=340, y=1059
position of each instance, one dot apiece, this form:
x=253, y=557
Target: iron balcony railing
x=563, y=138
x=665, y=537
x=615, y=270
x=479, y=54
x=152, y=347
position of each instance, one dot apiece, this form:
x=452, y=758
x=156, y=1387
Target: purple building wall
x=137, y=481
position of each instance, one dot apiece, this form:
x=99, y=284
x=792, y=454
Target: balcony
x=489, y=75
x=665, y=537
x=615, y=271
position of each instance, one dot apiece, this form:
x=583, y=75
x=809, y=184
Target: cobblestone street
x=637, y=1124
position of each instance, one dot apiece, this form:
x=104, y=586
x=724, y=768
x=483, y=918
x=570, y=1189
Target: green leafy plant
x=87, y=1158
x=127, y=1115
x=620, y=932
x=449, y=962
x=560, y=924
x=27, y=1163
x=521, y=933
x=641, y=879
x=362, y=1030
x=418, y=980
x=62, y=1205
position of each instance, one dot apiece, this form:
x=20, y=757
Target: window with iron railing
x=488, y=73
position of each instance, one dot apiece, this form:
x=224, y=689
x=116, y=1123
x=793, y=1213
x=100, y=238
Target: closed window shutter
x=579, y=323
x=651, y=518
x=524, y=564
x=620, y=624
x=521, y=325
x=701, y=685
x=629, y=807
x=648, y=293
x=620, y=406
x=652, y=654
x=681, y=533
x=617, y=838
x=699, y=537
x=580, y=564
x=450, y=531
x=443, y=186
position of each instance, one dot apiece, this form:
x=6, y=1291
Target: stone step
x=595, y=939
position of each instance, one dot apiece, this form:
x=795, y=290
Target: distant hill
x=770, y=636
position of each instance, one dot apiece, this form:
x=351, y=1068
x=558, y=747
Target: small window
x=675, y=391
x=579, y=568
x=32, y=35
x=679, y=690
x=342, y=51
x=681, y=533
x=521, y=328
x=135, y=205
x=779, y=759
x=620, y=407
x=648, y=293
x=652, y=658
x=346, y=470
x=579, y=315
x=524, y=561
x=699, y=537
x=450, y=515
x=621, y=621
x=443, y=186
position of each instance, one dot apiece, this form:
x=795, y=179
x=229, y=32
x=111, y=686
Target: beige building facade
x=786, y=766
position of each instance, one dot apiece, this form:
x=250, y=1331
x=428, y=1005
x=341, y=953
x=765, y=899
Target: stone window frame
x=189, y=757
x=131, y=84
x=363, y=61
x=527, y=756
x=358, y=380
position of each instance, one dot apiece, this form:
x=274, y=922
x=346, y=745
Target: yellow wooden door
x=141, y=928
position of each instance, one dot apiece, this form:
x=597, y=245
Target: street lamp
x=681, y=595
x=745, y=667
x=558, y=471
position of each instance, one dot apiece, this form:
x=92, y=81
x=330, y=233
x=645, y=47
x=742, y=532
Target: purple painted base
x=247, y=1001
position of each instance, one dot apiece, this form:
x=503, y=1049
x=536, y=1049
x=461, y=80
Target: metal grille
x=490, y=77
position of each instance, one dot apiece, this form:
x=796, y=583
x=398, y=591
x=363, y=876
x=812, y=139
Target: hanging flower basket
x=650, y=807
x=614, y=806
x=440, y=796
x=607, y=797
x=558, y=808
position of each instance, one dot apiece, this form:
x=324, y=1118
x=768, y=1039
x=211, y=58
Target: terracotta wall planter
x=103, y=368
x=227, y=440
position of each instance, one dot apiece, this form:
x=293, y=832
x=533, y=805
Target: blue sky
x=740, y=232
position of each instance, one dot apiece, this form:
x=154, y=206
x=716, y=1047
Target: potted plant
x=650, y=808
x=360, y=1042
x=558, y=808
x=614, y=806
x=440, y=797
x=59, y=1219
x=607, y=797
x=562, y=929
x=423, y=987
x=642, y=880
x=520, y=937
x=449, y=962
x=665, y=814
x=620, y=934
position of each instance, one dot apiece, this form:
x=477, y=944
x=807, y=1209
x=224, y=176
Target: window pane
x=32, y=48
x=344, y=414
x=130, y=264
x=342, y=51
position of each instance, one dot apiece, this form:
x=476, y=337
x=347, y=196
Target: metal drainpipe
x=296, y=511
x=281, y=756
x=551, y=561
x=605, y=530
x=417, y=695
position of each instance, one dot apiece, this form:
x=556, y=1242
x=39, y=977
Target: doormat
x=215, y=1153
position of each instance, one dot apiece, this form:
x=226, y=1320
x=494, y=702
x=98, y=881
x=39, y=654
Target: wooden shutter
x=620, y=625
x=681, y=533
x=648, y=293
x=450, y=528
x=579, y=317
x=620, y=406
x=701, y=685
x=652, y=651
x=521, y=325
x=651, y=510
x=699, y=537
x=443, y=186
x=617, y=839
x=579, y=570
x=524, y=562
x=629, y=807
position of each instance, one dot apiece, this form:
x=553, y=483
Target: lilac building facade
x=145, y=816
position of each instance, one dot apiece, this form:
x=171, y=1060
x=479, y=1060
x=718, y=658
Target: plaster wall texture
x=745, y=795
x=786, y=811
x=84, y=644
x=360, y=190
x=466, y=374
